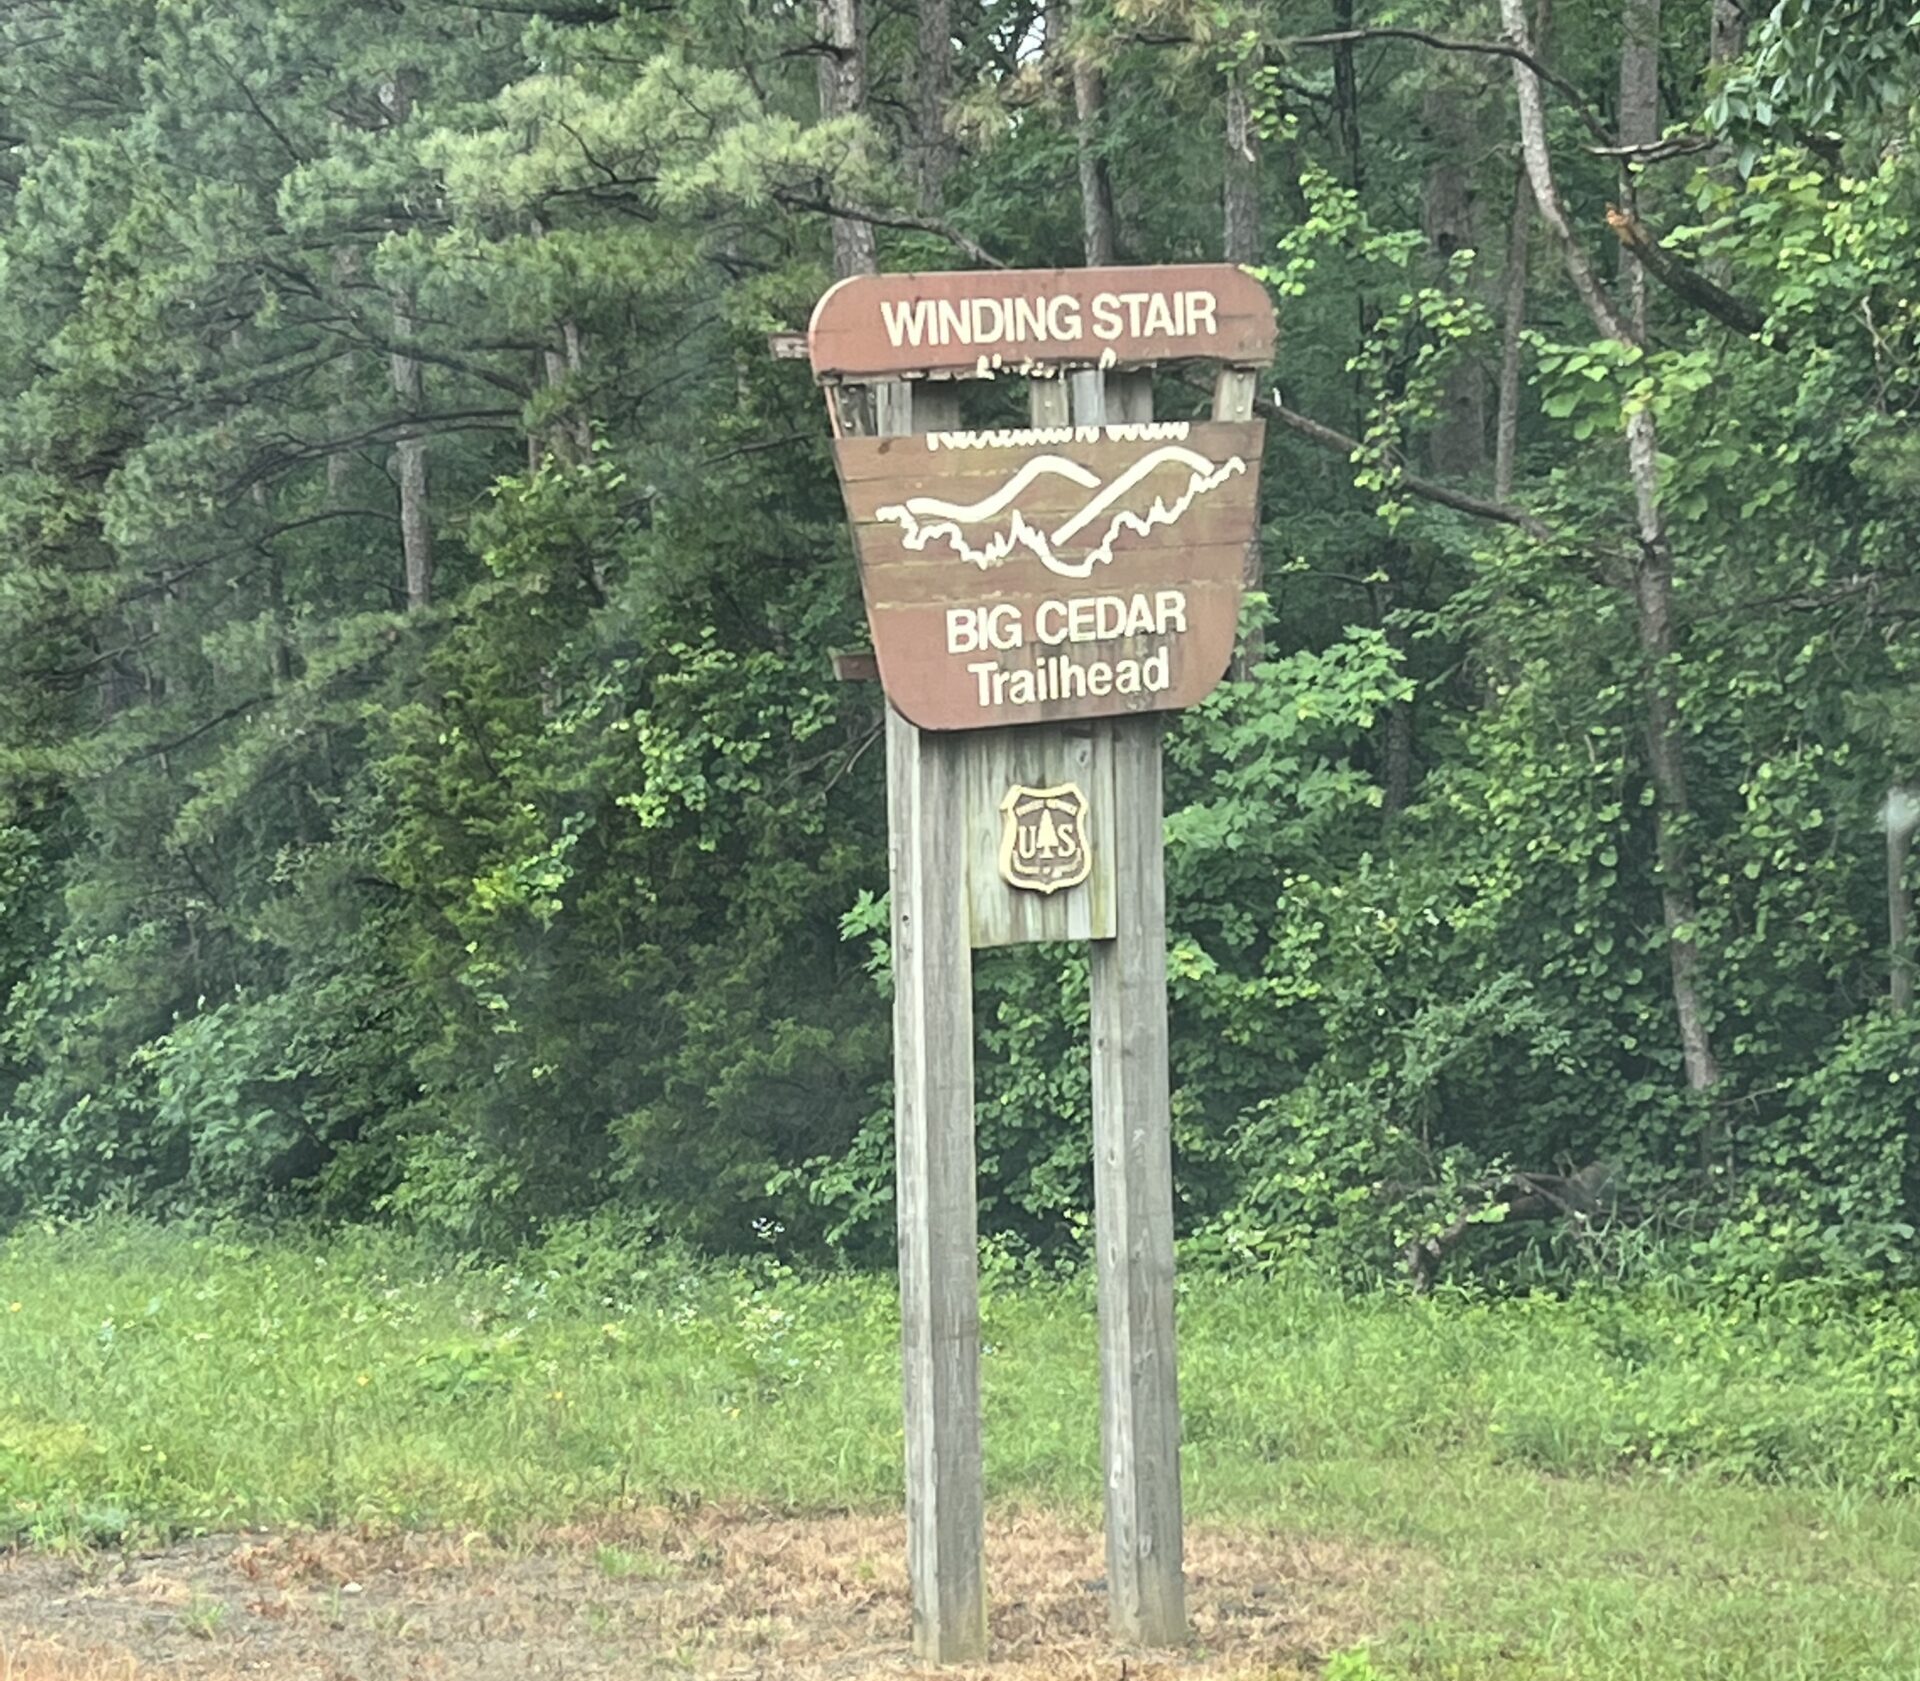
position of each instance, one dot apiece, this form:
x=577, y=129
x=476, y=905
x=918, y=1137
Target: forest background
x=424, y=797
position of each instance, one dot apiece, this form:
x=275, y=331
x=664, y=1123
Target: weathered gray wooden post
x=1038, y=599
x=1133, y=1164
x=934, y=1173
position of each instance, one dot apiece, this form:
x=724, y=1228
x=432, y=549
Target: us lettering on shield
x=1043, y=838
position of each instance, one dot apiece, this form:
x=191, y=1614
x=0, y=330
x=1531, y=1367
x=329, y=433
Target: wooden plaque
x=976, y=325
x=1041, y=575
x=1006, y=904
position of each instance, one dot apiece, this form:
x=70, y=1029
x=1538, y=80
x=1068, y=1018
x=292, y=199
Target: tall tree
x=1450, y=217
x=1728, y=35
x=1639, y=125
x=1098, y=219
x=409, y=387
x=1240, y=190
x=1651, y=573
x=933, y=90
x=1513, y=311
x=843, y=93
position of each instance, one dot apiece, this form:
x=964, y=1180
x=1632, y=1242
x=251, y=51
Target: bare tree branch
x=157, y=750
x=1488, y=49
x=1686, y=282
x=892, y=219
x=1446, y=496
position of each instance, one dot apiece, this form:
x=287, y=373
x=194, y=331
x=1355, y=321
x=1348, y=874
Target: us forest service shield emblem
x=1043, y=838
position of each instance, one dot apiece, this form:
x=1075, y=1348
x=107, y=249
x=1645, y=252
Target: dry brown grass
x=710, y=1595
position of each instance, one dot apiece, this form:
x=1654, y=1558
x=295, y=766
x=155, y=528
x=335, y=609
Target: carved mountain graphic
x=988, y=532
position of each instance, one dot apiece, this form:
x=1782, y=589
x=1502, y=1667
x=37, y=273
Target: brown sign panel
x=974, y=324
x=1035, y=576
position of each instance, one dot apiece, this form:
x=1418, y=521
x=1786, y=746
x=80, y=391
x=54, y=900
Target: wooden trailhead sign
x=1039, y=595
x=1041, y=574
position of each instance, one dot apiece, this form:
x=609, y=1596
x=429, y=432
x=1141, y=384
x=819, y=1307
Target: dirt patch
x=704, y=1595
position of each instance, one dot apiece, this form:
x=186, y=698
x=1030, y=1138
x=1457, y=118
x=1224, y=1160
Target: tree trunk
x=1673, y=807
x=338, y=464
x=1639, y=71
x=1098, y=220
x=1459, y=439
x=1240, y=243
x=1397, y=722
x=1513, y=321
x=1726, y=41
x=843, y=92
x=1653, y=592
x=1639, y=126
x=346, y=270
x=1346, y=109
x=1513, y=316
x=576, y=351
x=409, y=386
x=1546, y=193
x=933, y=85
x=1653, y=595
x=1728, y=32
x=1240, y=239
x=410, y=459
x=571, y=439
x=281, y=663
x=1346, y=96
x=569, y=436
x=277, y=604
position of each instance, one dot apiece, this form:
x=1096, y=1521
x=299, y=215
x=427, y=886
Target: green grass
x=1604, y=1488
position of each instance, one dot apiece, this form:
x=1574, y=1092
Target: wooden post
x=1133, y=1208
x=1133, y=1165
x=933, y=1131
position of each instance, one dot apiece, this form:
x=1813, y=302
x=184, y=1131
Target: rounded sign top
x=979, y=323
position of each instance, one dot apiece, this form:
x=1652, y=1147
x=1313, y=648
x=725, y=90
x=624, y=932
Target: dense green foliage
x=1539, y=1487
x=555, y=885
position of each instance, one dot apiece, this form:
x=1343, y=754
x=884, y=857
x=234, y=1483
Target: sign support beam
x=1133, y=1163
x=1133, y=1214
x=934, y=1144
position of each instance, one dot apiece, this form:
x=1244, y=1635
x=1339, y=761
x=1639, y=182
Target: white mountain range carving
x=927, y=519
